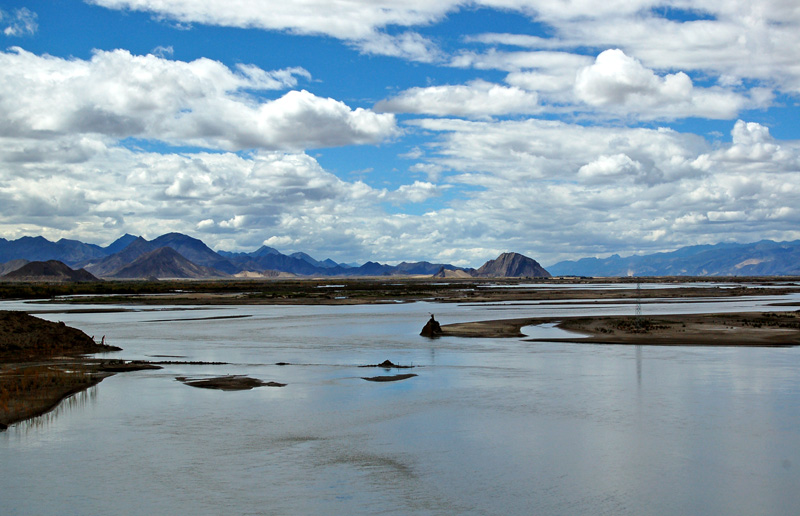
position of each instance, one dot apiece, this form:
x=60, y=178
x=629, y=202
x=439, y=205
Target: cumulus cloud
x=558, y=190
x=753, y=144
x=548, y=189
x=620, y=83
x=201, y=103
x=732, y=39
x=475, y=99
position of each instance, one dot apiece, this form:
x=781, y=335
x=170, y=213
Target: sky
x=403, y=130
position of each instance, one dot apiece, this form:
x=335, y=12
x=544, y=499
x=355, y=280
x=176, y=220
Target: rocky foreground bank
x=41, y=364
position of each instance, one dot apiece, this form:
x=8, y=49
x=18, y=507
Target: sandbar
x=770, y=329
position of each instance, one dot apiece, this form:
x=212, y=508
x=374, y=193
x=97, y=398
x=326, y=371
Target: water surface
x=489, y=426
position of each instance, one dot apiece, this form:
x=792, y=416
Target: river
x=489, y=426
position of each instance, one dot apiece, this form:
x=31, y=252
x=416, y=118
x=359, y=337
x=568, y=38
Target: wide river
x=489, y=426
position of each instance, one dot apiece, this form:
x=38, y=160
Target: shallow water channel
x=489, y=426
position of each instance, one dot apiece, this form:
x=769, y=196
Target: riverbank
x=770, y=329
x=391, y=289
x=41, y=364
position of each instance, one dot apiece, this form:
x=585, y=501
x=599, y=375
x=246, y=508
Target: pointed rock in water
x=431, y=329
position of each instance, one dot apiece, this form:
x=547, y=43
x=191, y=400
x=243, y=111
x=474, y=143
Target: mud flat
x=228, y=383
x=765, y=329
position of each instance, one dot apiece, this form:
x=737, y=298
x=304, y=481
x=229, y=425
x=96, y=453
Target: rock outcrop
x=512, y=265
x=431, y=328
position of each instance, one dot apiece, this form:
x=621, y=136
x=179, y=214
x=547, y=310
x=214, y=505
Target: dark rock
x=431, y=329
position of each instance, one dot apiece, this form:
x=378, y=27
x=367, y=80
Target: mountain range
x=175, y=255
x=764, y=258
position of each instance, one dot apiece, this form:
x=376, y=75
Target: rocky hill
x=511, y=265
x=51, y=270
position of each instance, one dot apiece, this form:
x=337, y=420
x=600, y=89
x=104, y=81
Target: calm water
x=488, y=426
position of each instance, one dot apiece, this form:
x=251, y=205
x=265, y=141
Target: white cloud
x=616, y=167
x=729, y=39
x=752, y=144
x=408, y=45
x=476, y=99
x=556, y=190
x=359, y=22
x=417, y=192
x=621, y=84
x=201, y=102
x=548, y=189
x=344, y=20
x=22, y=22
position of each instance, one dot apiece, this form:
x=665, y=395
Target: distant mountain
x=420, y=268
x=764, y=258
x=195, y=251
x=165, y=263
x=261, y=251
x=511, y=265
x=326, y=264
x=39, y=248
x=120, y=243
x=51, y=270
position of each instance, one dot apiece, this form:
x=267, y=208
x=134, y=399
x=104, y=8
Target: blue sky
x=402, y=130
